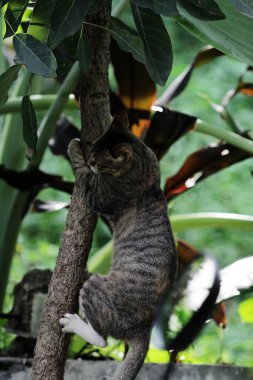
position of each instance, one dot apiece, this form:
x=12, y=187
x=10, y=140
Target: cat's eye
x=122, y=151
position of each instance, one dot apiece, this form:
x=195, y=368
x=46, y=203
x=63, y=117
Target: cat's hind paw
x=72, y=323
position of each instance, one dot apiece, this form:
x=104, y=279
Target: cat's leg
x=78, y=162
x=72, y=323
x=133, y=361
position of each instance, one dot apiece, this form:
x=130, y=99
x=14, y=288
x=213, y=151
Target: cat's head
x=112, y=153
x=118, y=153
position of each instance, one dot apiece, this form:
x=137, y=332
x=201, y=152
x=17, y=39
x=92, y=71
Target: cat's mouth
x=94, y=168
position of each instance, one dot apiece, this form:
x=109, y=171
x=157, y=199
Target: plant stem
x=211, y=219
x=8, y=241
x=12, y=155
x=11, y=218
x=49, y=121
x=2, y=58
x=40, y=103
x=100, y=262
x=222, y=134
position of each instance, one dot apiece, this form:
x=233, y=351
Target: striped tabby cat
x=120, y=181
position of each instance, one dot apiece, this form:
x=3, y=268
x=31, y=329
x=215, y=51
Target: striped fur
x=119, y=178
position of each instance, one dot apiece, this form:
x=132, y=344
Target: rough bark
x=94, y=99
x=52, y=344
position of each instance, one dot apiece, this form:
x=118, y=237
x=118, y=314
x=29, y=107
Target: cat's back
x=143, y=244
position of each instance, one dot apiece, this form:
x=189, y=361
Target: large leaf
x=65, y=54
x=136, y=90
x=164, y=7
x=63, y=13
x=35, y=55
x=245, y=7
x=199, y=301
x=167, y=127
x=245, y=88
x=202, y=164
x=233, y=36
x=94, y=6
x=3, y=3
x=186, y=254
x=132, y=78
x=13, y=15
x=6, y=80
x=156, y=42
x=205, y=55
x=245, y=311
x=39, y=26
x=29, y=127
x=84, y=53
x=127, y=39
x=67, y=18
x=202, y=9
x=235, y=278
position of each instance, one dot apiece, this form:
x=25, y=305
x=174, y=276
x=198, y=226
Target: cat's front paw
x=70, y=323
x=74, y=147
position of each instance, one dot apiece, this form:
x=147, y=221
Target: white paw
x=70, y=323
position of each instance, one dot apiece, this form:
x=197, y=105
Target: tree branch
x=68, y=277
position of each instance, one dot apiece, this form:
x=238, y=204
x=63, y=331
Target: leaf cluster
x=41, y=30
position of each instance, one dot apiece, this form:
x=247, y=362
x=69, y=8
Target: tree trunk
x=52, y=344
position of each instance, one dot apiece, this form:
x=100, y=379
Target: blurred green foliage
x=228, y=191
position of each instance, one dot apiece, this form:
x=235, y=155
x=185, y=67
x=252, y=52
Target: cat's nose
x=93, y=165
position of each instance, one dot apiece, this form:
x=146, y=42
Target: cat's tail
x=133, y=361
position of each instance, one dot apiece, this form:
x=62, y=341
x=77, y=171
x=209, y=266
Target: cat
x=120, y=180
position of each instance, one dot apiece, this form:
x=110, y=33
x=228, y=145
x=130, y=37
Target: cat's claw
x=69, y=322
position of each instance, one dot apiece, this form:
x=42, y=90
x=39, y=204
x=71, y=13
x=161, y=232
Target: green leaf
x=156, y=42
x=164, y=7
x=127, y=39
x=84, y=53
x=35, y=55
x=67, y=18
x=13, y=15
x=95, y=6
x=29, y=127
x=233, y=36
x=3, y=3
x=6, y=80
x=39, y=26
x=245, y=7
x=245, y=311
x=206, y=10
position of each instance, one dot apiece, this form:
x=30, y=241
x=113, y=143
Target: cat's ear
x=120, y=122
